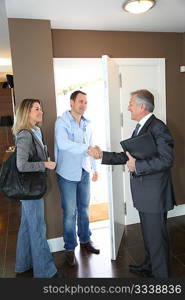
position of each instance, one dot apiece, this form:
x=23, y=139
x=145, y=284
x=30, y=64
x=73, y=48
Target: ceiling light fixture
x=138, y=6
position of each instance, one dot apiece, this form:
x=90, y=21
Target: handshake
x=95, y=152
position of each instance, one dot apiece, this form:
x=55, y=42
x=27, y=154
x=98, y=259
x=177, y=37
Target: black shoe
x=140, y=269
x=27, y=273
x=70, y=258
x=135, y=268
x=148, y=274
x=90, y=248
x=58, y=275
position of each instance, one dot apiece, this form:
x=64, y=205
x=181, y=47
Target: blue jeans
x=75, y=198
x=32, y=247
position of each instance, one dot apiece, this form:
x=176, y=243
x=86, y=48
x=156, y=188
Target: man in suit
x=151, y=184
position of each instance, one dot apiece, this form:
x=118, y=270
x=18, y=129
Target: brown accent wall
x=183, y=62
x=6, y=137
x=171, y=46
x=183, y=79
x=31, y=48
x=5, y=101
x=183, y=48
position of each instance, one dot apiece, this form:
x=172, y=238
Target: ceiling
x=166, y=16
x=4, y=36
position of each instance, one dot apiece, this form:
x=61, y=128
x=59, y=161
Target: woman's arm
x=24, y=144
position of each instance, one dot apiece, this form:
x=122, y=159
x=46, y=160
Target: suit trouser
x=155, y=237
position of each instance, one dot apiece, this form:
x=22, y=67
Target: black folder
x=141, y=146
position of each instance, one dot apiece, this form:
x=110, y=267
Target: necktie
x=136, y=130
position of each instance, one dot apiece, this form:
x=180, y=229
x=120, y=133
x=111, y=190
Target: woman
x=32, y=248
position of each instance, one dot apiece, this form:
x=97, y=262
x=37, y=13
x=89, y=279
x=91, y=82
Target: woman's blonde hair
x=22, y=115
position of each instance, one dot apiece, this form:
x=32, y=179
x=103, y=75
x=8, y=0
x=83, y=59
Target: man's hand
x=131, y=163
x=95, y=152
x=95, y=176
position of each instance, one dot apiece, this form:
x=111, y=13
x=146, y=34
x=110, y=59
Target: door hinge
x=120, y=80
x=121, y=119
x=125, y=208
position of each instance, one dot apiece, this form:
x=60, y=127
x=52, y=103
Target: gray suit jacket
x=26, y=149
x=151, y=187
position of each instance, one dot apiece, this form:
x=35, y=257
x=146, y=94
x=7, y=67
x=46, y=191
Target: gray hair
x=144, y=97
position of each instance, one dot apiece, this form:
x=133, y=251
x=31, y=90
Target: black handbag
x=22, y=185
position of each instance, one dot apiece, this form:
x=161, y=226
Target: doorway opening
x=87, y=75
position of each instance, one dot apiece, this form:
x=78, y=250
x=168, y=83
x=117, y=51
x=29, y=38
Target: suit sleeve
x=165, y=156
x=113, y=158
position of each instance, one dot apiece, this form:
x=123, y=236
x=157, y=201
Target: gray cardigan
x=25, y=149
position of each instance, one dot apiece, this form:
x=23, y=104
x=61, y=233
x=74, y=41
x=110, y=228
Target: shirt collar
x=73, y=119
x=144, y=119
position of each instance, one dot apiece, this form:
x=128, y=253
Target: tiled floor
x=91, y=265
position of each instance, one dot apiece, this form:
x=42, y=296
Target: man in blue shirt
x=73, y=136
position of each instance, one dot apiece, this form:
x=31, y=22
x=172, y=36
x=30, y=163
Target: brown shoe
x=90, y=248
x=59, y=275
x=70, y=258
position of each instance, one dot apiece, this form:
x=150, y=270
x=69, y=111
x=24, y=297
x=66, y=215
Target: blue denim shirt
x=72, y=140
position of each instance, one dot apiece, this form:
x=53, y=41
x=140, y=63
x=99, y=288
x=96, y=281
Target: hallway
x=91, y=265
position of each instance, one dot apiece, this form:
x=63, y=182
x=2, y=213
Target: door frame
x=132, y=216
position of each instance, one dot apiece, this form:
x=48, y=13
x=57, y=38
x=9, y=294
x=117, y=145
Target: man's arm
x=108, y=158
x=64, y=143
x=165, y=157
x=92, y=159
x=114, y=158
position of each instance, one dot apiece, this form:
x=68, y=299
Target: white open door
x=114, y=136
x=139, y=73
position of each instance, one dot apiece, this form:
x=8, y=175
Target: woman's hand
x=50, y=165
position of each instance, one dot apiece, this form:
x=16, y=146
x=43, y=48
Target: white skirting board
x=178, y=210
x=56, y=244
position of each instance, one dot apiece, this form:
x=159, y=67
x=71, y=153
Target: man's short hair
x=75, y=94
x=145, y=97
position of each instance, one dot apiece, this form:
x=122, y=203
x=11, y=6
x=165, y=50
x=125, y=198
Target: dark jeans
x=75, y=197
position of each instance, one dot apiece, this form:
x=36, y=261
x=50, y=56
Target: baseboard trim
x=178, y=210
x=56, y=244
